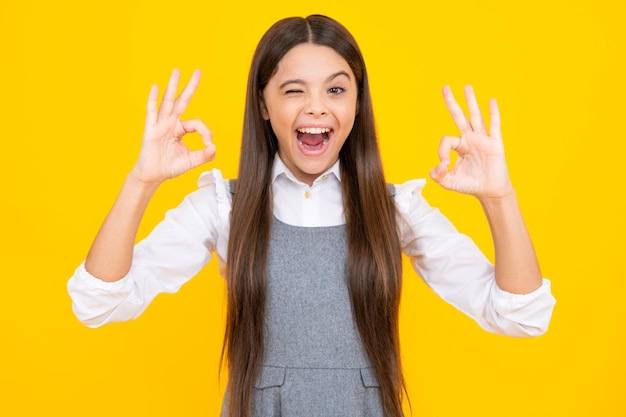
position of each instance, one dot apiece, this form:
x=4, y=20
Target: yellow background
x=73, y=83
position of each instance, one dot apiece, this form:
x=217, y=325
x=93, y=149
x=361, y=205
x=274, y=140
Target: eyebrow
x=300, y=81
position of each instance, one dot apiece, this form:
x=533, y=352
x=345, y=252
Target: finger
x=455, y=110
x=170, y=93
x=151, y=107
x=198, y=126
x=199, y=157
x=494, y=116
x=476, y=118
x=181, y=103
x=439, y=173
x=447, y=145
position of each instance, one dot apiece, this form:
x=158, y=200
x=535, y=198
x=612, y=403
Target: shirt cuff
x=93, y=300
x=524, y=315
x=84, y=281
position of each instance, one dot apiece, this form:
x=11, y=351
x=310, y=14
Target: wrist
x=137, y=183
x=505, y=202
x=500, y=196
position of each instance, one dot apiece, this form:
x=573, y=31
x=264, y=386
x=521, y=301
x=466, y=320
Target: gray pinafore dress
x=314, y=361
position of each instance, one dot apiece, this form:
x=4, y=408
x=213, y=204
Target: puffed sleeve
x=176, y=250
x=455, y=269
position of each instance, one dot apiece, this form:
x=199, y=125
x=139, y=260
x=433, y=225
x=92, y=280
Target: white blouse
x=185, y=241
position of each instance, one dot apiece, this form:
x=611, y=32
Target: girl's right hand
x=163, y=154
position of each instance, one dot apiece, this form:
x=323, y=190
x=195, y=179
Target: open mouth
x=313, y=140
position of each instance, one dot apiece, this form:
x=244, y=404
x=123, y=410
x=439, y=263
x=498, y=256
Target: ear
x=264, y=112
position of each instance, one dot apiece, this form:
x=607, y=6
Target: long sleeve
x=454, y=268
x=175, y=251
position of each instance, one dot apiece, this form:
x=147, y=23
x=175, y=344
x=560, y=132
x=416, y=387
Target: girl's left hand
x=480, y=168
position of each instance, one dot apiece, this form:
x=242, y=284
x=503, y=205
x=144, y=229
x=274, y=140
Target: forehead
x=311, y=61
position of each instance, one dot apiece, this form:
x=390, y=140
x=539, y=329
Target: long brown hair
x=374, y=267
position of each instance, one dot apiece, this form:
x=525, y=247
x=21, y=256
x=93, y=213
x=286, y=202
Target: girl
x=310, y=237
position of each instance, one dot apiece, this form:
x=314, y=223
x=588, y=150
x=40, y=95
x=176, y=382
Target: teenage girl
x=310, y=236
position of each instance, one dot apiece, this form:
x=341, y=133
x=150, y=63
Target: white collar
x=280, y=169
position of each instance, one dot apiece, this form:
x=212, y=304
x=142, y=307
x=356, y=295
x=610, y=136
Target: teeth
x=314, y=130
x=324, y=142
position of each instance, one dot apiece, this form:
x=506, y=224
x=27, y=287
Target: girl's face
x=311, y=104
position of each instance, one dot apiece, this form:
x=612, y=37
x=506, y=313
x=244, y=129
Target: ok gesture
x=163, y=154
x=480, y=168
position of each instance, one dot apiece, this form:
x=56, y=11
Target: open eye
x=336, y=90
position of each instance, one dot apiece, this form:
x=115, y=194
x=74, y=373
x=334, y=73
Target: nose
x=316, y=106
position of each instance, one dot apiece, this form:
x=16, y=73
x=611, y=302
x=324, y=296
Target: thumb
x=202, y=156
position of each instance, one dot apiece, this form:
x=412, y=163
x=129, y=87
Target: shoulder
x=407, y=194
x=213, y=178
x=210, y=202
x=212, y=182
